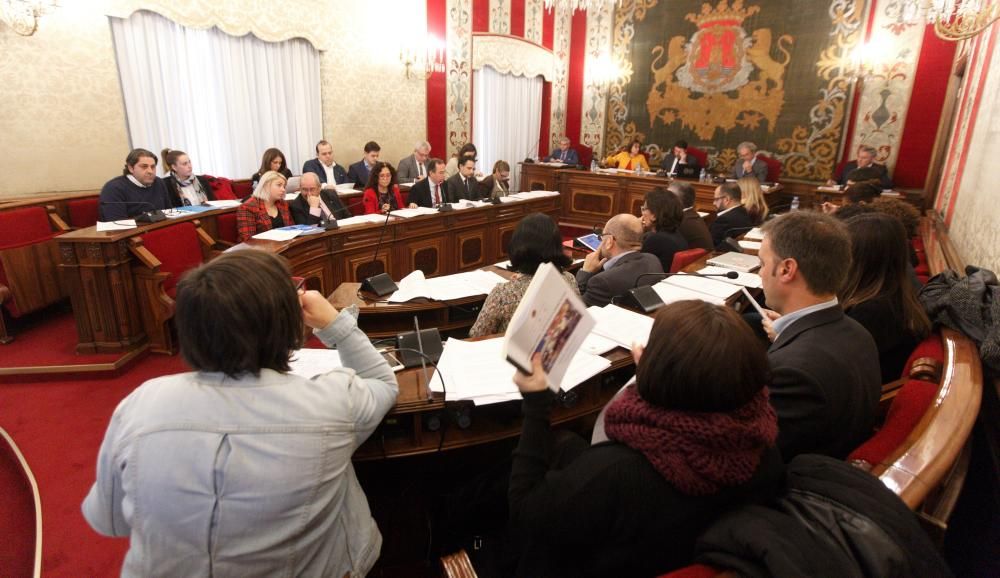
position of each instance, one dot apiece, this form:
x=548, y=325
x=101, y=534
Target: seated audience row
x=617, y=265
x=662, y=214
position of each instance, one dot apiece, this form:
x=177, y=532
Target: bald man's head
x=627, y=231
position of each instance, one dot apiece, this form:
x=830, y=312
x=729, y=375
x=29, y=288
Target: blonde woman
x=753, y=199
x=266, y=209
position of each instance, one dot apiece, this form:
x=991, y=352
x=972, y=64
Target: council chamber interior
x=721, y=184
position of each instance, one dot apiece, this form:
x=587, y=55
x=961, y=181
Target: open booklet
x=550, y=320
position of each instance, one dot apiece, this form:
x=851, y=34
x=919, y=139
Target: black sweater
x=884, y=320
x=608, y=512
x=664, y=245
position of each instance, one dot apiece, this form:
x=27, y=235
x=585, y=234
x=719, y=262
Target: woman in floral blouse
x=536, y=240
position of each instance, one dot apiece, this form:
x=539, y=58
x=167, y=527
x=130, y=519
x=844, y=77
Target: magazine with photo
x=551, y=320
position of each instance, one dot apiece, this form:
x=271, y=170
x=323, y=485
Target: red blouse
x=371, y=204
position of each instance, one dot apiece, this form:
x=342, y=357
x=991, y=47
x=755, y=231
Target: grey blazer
x=407, y=170
x=598, y=288
x=825, y=385
x=759, y=170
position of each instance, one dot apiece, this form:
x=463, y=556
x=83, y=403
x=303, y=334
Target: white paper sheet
x=225, y=203
x=277, y=235
x=622, y=326
x=360, y=219
x=407, y=213
x=535, y=194
x=672, y=293
x=713, y=286
x=309, y=363
x=751, y=280
x=751, y=245
x=116, y=225
x=594, y=344
x=754, y=234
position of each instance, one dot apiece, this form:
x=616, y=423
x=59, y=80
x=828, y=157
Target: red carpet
x=59, y=425
x=47, y=338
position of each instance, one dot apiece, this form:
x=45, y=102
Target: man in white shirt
x=324, y=167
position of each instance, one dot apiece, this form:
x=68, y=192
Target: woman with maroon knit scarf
x=692, y=438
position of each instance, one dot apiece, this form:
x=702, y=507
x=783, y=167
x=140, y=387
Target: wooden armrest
x=57, y=221
x=889, y=391
x=926, y=369
x=204, y=237
x=142, y=254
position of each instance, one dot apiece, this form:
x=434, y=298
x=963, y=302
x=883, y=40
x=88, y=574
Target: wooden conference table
x=98, y=266
x=591, y=198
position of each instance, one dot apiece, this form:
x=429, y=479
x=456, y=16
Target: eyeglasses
x=600, y=233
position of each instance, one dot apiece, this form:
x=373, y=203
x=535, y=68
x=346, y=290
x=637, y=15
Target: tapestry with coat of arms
x=717, y=73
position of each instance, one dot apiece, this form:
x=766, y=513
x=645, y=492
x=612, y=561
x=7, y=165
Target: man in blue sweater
x=138, y=189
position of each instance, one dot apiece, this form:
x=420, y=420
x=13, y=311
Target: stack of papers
x=621, y=326
x=477, y=371
x=828, y=188
x=736, y=262
x=287, y=233
x=751, y=280
x=672, y=293
x=116, y=225
x=711, y=286
x=345, y=188
x=750, y=245
x=225, y=203
x=448, y=287
x=407, y=213
x=535, y=194
x=309, y=363
x=373, y=218
x=754, y=234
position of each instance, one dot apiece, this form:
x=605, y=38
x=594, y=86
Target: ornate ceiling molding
x=512, y=55
x=239, y=19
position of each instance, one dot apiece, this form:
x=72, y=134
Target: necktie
x=468, y=193
x=420, y=169
x=437, y=195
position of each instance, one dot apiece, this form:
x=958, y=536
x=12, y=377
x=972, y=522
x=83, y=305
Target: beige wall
x=975, y=221
x=63, y=126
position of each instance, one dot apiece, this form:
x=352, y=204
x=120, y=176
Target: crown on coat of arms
x=722, y=13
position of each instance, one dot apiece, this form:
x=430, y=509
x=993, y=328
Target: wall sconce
x=22, y=15
x=870, y=58
x=604, y=70
x=421, y=61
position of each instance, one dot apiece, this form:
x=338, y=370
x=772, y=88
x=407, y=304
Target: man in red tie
x=433, y=190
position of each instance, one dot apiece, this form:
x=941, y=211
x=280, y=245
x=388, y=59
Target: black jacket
x=456, y=189
x=174, y=190
x=731, y=224
x=420, y=193
x=825, y=384
x=832, y=520
x=300, y=208
x=315, y=166
x=599, y=288
x=695, y=231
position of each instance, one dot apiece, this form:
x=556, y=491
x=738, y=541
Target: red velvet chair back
x=699, y=154
x=225, y=228
x=931, y=348
x=19, y=227
x=21, y=507
x=242, y=189
x=222, y=188
x=909, y=405
x=82, y=212
x=684, y=258
x=585, y=153
x=773, y=168
x=178, y=249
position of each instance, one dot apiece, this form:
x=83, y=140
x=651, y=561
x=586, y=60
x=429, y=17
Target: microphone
x=772, y=212
x=329, y=224
x=152, y=216
x=731, y=244
x=381, y=284
x=645, y=298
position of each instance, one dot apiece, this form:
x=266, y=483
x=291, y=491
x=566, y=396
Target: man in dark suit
x=732, y=218
x=328, y=171
x=748, y=163
x=616, y=265
x=316, y=205
x=358, y=173
x=693, y=227
x=464, y=184
x=564, y=154
x=866, y=159
x=679, y=157
x=433, y=190
x=826, y=380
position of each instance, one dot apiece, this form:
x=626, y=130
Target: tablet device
x=590, y=242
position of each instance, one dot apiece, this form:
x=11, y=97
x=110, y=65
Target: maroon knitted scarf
x=699, y=453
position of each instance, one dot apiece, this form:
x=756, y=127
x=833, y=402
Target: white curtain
x=222, y=99
x=507, y=117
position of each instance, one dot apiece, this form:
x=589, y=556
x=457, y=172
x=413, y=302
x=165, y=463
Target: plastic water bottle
x=593, y=166
x=703, y=176
x=795, y=204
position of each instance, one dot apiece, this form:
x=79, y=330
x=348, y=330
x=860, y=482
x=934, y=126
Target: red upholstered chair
x=164, y=255
x=83, y=212
x=585, y=153
x=222, y=188
x=29, y=274
x=225, y=229
x=926, y=361
x=21, y=522
x=684, y=258
x=242, y=188
x=908, y=407
x=773, y=167
x=699, y=154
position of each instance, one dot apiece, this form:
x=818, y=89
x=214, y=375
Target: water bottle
x=795, y=204
x=593, y=166
x=703, y=176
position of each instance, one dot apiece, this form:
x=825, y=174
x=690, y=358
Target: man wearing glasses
x=617, y=264
x=732, y=218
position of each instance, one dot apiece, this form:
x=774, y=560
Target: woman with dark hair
x=467, y=150
x=692, y=438
x=273, y=160
x=382, y=193
x=878, y=292
x=241, y=467
x=662, y=213
x=184, y=187
x=628, y=159
x=536, y=240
